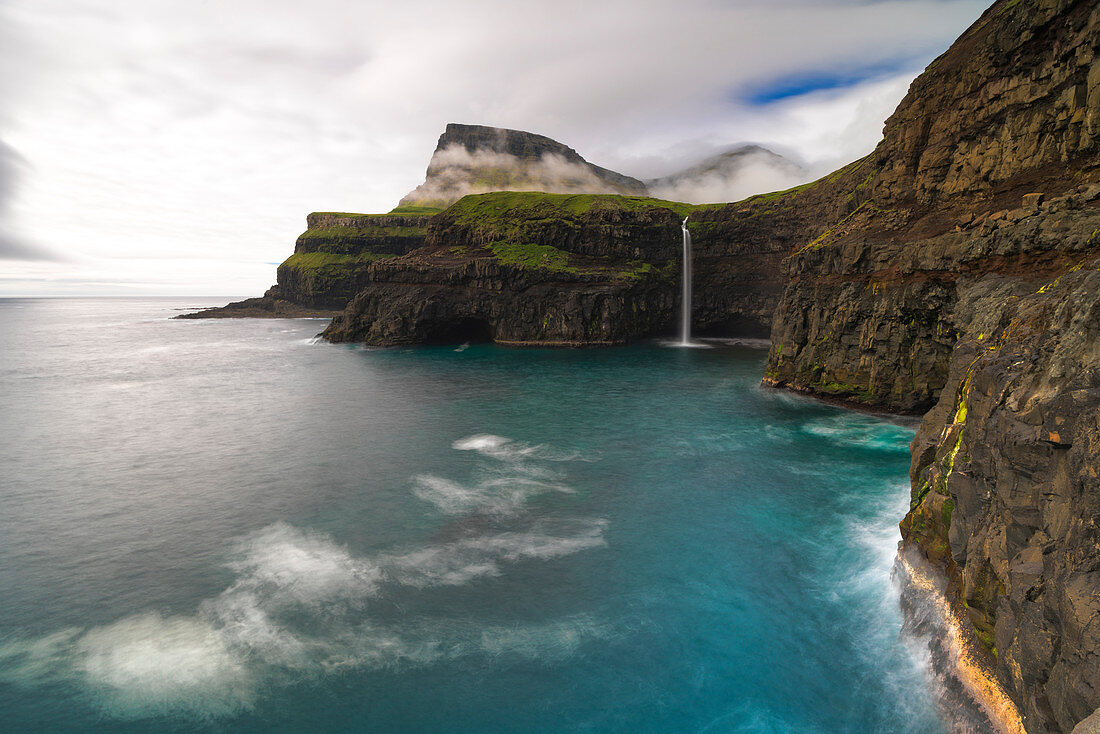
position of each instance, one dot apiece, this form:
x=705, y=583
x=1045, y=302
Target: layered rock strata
x=526, y=268
x=532, y=268
x=330, y=264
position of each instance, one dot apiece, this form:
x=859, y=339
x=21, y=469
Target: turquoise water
x=224, y=526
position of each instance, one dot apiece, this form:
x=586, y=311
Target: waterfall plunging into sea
x=685, y=303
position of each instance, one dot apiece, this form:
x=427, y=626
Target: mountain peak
x=475, y=159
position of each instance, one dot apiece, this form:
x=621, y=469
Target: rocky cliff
x=524, y=268
x=962, y=279
x=554, y=269
x=474, y=159
x=331, y=258
x=331, y=263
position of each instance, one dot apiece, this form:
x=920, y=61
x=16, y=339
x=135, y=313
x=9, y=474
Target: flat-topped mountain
x=475, y=159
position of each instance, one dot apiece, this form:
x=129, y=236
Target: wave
x=968, y=694
x=499, y=447
x=517, y=474
x=863, y=431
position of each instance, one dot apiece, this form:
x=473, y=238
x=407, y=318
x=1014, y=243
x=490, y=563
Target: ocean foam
x=505, y=449
x=496, y=496
x=297, y=605
x=147, y=664
x=863, y=431
x=465, y=560
x=290, y=566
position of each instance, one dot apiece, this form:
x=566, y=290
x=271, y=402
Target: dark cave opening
x=459, y=331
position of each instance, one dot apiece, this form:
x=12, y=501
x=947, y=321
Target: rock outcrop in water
x=475, y=159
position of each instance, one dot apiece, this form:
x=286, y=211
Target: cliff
x=577, y=270
x=474, y=159
x=962, y=279
x=1009, y=110
x=526, y=267
x=331, y=263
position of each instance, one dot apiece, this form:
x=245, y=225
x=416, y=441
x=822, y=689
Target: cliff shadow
x=459, y=331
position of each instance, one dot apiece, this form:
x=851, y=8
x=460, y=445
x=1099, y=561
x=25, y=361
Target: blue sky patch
x=799, y=83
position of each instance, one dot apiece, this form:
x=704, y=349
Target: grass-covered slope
x=599, y=235
x=331, y=258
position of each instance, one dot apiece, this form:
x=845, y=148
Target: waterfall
x=685, y=303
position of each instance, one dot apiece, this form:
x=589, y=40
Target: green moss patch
x=318, y=260
x=546, y=257
x=532, y=256
x=487, y=208
x=414, y=209
x=360, y=233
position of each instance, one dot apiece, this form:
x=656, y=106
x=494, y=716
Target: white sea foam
x=861, y=430
x=298, y=605
x=36, y=661
x=462, y=561
x=148, y=664
x=291, y=566
x=505, y=449
x=496, y=446
x=498, y=495
x=872, y=594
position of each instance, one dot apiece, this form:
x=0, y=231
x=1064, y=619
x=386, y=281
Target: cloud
x=205, y=130
x=455, y=172
x=731, y=177
x=12, y=246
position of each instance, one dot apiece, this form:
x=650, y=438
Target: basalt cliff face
x=583, y=270
x=331, y=258
x=964, y=279
x=331, y=263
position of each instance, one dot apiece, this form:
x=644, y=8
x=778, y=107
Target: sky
x=175, y=146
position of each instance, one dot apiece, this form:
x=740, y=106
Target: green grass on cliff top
x=482, y=207
x=361, y=233
x=315, y=260
x=407, y=211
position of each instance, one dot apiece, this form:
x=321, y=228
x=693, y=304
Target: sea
x=232, y=526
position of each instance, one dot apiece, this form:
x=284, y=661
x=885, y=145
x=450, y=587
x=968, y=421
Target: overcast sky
x=175, y=147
